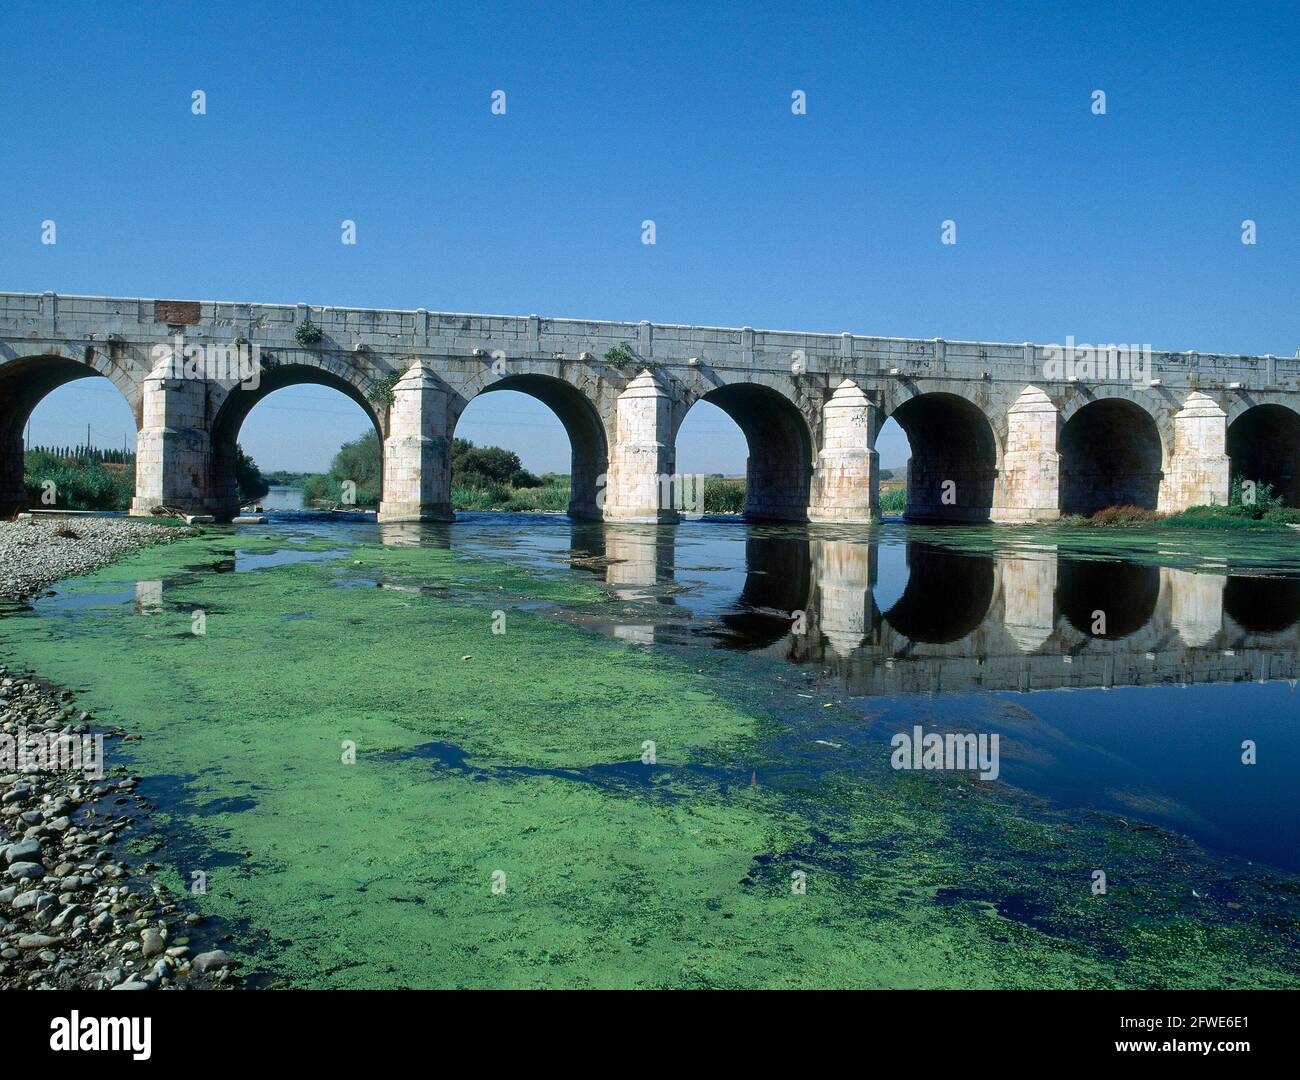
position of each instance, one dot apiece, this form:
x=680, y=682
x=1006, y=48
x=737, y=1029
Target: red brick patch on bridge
x=176, y=312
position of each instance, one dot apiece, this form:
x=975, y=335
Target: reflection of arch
x=23, y=383
x=778, y=471
x=947, y=596
x=1264, y=446
x=241, y=400
x=1110, y=456
x=776, y=586
x=1124, y=593
x=1262, y=605
x=951, y=473
x=587, y=441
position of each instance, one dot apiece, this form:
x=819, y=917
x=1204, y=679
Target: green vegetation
x=79, y=482
x=620, y=356
x=513, y=758
x=550, y=493
x=1265, y=510
x=492, y=478
x=308, y=333
x=105, y=479
x=483, y=478
x=252, y=484
x=382, y=393
x=723, y=496
x=478, y=466
x=285, y=478
x=359, y=463
x=893, y=501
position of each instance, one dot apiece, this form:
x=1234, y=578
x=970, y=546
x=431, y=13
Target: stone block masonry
x=998, y=431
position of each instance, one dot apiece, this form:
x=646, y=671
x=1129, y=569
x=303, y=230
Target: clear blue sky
x=1123, y=227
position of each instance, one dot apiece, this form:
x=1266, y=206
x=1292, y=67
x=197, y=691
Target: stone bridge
x=1000, y=432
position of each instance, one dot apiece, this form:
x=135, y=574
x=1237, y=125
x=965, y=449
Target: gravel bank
x=74, y=913
x=39, y=551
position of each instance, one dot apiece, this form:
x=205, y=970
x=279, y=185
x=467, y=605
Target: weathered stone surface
x=999, y=431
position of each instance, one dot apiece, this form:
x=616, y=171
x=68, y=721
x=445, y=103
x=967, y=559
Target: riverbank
x=76, y=911
x=36, y=552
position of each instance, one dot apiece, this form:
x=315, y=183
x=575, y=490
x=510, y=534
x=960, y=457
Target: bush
x=478, y=466
x=79, y=483
x=493, y=496
x=723, y=496
x=1119, y=516
x=893, y=501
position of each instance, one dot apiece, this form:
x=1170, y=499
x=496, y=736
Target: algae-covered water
x=522, y=751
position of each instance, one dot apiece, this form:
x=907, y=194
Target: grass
x=76, y=483
x=893, y=501
x=723, y=496
x=502, y=497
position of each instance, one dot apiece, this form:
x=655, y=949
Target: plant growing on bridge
x=620, y=356
x=308, y=333
x=382, y=394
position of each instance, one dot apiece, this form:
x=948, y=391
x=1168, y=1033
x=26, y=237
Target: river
x=520, y=750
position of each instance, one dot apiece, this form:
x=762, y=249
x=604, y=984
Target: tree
x=479, y=466
x=252, y=485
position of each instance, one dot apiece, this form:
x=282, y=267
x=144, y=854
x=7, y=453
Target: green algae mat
x=384, y=789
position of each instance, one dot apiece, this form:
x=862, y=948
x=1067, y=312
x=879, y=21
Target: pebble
x=74, y=913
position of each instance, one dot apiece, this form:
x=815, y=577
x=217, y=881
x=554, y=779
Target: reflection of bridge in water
x=970, y=621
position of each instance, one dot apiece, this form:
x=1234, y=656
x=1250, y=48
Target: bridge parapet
x=47, y=316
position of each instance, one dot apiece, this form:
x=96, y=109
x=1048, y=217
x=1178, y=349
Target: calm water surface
x=1125, y=685
x=1121, y=685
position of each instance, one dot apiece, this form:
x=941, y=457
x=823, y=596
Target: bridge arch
x=955, y=455
x=1112, y=453
x=24, y=382
x=580, y=417
x=239, y=401
x=779, y=439
x=1264, y=446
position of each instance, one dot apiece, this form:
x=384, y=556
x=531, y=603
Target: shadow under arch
x=588, y=444
x=1262, y=605
x=777, y=581
x=779, y=465
x=241, y=401
x=23, y=385
x=947, y=597
x=1110, y=456
x=953, y=467
x=1264, y=446
x=1124, y=593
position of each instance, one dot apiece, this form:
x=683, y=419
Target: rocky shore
x=36, y=552
x=75, y=913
